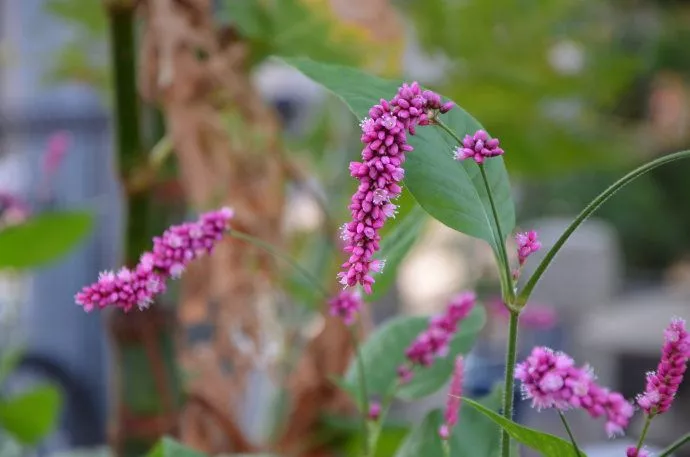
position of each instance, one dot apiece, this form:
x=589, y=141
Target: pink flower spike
x=551, y=380
x=384, y=135
x=454, y=399
x=435, y=340
x=478, y=147
x=346, y=305
x=172, y=252
x=528, y=243
x=662, y=384
x=58, y=144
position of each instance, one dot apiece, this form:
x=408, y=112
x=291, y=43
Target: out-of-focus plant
x=548, y=75
x=28, y=242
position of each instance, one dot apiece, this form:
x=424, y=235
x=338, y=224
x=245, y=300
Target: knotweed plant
x=418, y=142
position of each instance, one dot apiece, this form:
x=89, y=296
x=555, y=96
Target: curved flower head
x=552, y=380
x=384, y=135
x=662, y=384
x=435, y=340
x=172, y=252
x=478, y=147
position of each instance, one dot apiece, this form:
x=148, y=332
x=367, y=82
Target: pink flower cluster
x=172, y=252
x=633, y=452
x=478, y=147
x=435, y=340
x=663, y=383
x=384, y=135
x=551, y=380
x=346, y=305
x=528, y=243
x=450, y=417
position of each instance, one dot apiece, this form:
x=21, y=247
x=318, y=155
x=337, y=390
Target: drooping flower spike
x=478, y=147
x=435, y=340
x=172, y=252
x=450, y=417
x=384, y=134
x=552, y=380
x=662, y=384
x=346, y=305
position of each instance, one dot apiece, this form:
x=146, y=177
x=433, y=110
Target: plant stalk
x=364, y=401
x=645, y=429
x=570, y=433
x=511, y=355
x=680, y=442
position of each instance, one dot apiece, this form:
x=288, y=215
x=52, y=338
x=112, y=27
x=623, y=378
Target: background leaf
x=8, y=361
x=548, y=445
x=42, y=239
x=451, y=192
x=30, y=416
x=168, y=447
x=473, y=436
x=383, y=352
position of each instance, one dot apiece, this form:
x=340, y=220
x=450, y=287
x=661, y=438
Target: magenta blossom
x=528, y=243
x=633, y=452
x=380, y=172
x=663, y=383
x=450, y=417
x=374, y=411
x=435, y=340
x=179, y=245
x=478, y=147
x=552, y=380
x=346, y=305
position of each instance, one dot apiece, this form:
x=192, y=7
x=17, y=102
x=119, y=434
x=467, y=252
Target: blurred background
x=579, y=91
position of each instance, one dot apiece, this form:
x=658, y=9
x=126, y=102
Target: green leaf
x=30, y=416
x=42, y=239
x=384, y=351
x=476, y=435
x=8, y=362
x=548, y=445
x=473, y=436
x=394, y=248
x=168, y=447
x=424, y=439
x=451, y=192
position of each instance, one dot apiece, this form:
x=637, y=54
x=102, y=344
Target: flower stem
x=283, y=256
x=511, y=355
x=506, y=278
x=376, y=426
x=364, y=401
x=509, y=290
x=676, y=445
x=524, y=295
x=570, y=433
x=645, y=429
x=446, y=448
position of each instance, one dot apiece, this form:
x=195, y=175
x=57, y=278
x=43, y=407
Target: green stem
x=283, y=256
x=676, y=445
x=446, y=448
x=570, y=433
x=589, y=209
x=509, y=293
x=376, y=427
x=511, y=355
x=363, y=391
x=645, y=429
x=127, y=131
x=504, y=267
